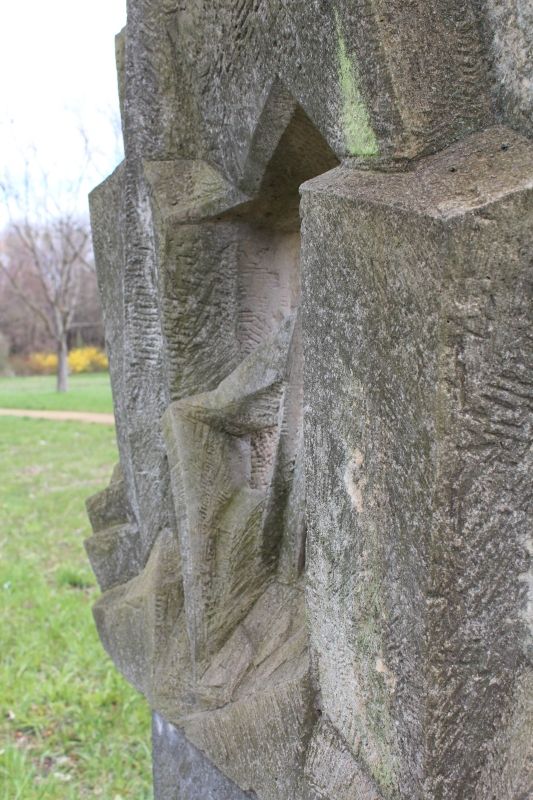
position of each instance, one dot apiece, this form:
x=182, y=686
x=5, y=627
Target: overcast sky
x=57, y=68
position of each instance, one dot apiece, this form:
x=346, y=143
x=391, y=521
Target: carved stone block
x=313, y=557
x=416, y=317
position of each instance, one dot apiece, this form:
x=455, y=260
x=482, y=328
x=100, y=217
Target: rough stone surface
x=313, y=554
x=510, y=26
x=182, y=772
x=418, y=456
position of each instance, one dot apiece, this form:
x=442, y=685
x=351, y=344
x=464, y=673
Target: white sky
x=57, y=75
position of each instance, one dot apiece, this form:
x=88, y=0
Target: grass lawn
x=87, y=392
x=70, y=726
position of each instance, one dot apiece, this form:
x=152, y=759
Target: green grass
x=87, y=392
x=70, y=726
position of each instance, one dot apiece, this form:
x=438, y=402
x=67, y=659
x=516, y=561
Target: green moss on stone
x=359, y=136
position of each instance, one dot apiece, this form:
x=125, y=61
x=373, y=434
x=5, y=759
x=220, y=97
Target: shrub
x=87, y=359
x=42, y=363
x=80, y=359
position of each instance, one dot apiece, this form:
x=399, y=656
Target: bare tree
x=46, y=252
x=55, y=253
x=47, y=248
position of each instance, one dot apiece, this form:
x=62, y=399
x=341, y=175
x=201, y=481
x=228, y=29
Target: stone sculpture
x=313, y=553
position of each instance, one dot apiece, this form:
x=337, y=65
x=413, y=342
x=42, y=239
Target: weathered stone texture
x=182, y=772
x=417, y=443
x=313, y=555
x=509, y=27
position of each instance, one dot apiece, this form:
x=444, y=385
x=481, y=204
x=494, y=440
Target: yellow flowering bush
x=42, y=363
x=87, y=359
x=80, y=359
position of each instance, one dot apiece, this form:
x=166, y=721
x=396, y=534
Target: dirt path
x=68, y=416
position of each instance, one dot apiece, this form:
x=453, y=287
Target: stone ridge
x=480, y=170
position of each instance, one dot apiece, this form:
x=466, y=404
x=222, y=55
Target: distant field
x=70, y=726
x=87, y=392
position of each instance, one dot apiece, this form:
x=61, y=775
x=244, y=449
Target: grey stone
x=313, y=556
x=510, y=37
x=114, y=547
x=416, y=336
x=332, y=771
x=114, y=555
x=182, y=772
x=110, y=507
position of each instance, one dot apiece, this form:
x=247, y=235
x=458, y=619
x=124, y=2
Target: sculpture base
x=182, y=772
